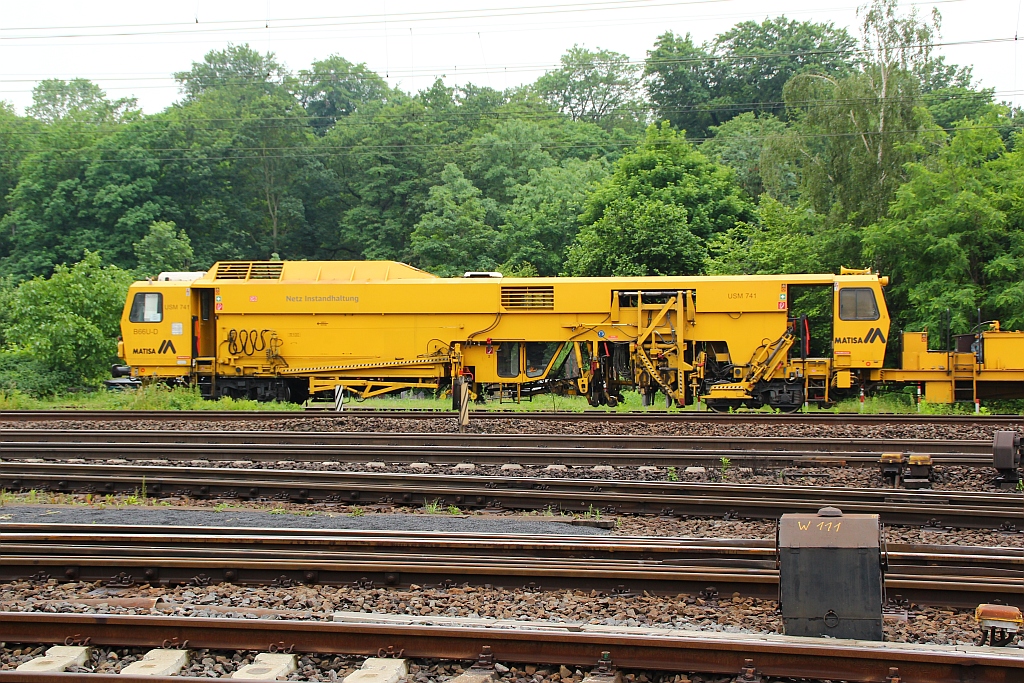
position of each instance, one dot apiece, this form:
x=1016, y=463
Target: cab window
x=538, y=357
x=857, y=303
x=147, y=307
x=508, y=359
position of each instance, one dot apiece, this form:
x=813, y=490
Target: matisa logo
x=166, y=346
x=873, y=335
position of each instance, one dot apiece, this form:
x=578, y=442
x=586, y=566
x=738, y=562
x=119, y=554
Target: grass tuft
x=149, y=397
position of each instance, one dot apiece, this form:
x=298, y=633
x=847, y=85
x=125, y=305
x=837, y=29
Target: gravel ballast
x=945, y=477
x=726, y=613
x=484, y=425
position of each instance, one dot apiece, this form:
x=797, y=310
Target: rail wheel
x=722, y=406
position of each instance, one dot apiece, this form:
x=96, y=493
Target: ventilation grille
x=249, y=270
x=536, y=296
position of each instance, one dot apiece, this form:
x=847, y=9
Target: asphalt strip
x=56, y=514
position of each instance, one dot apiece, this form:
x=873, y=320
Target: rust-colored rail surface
x=492, y=449
x=678, y=651
x=928, y=574
x=937, y=508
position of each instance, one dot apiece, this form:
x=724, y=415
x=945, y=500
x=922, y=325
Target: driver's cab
x=860, y=320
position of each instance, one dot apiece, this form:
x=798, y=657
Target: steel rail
x=642, y=649
x=478, y=448
x=936, y=508
x=994, y=421
x=947, y=575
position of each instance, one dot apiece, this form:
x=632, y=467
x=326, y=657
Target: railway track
x=484, y=449
x=124, y=555
x=641, y=649
x=932, y=508
x=991, y=421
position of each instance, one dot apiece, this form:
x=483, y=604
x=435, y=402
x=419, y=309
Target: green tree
x=679, y=84
x=163, y=249
x=669, y=189
x=18, y=138
x=783, y=239
x=386, y=160
x=265, y=136
x=949, y=105
x=335, y=87
x=597, y=86
x=8, y=291
x=756, y=60
x=452, y=236
x=237, y=66
x=504, y=157
x=45, y=224
x=70, y=321
x=54, y=100
x=954, y=236
x=637, y=236
x=542, y=220
x=854, y=136
x=742, y=70
x=739, y=142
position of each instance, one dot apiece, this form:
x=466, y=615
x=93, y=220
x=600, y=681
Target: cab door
x=861, y=325
x=204, y=335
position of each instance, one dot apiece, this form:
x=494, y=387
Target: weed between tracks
x=438, y=507
x=115, y=502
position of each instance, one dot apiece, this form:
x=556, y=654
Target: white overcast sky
x=131, y=47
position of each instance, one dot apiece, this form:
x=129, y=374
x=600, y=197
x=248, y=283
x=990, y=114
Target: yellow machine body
x=988, y=364
x=156, y=330
x=285, y=330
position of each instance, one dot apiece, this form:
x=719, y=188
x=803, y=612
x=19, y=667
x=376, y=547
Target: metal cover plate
x=812, y=531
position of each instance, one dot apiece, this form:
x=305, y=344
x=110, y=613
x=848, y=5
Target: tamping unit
x=830, y=574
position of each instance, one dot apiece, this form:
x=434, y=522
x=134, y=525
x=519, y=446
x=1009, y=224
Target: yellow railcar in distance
x=287, y=330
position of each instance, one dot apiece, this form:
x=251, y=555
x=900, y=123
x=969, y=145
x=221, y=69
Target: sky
x=131, y=48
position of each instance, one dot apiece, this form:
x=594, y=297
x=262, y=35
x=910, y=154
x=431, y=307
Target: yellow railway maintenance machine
x=286, y=330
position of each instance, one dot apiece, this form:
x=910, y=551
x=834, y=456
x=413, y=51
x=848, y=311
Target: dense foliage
x=779, y=146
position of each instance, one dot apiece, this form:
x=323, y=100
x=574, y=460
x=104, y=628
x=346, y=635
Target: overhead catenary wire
x=490, y=69
x=504, y=27
x=582, y=6
x=354, y=20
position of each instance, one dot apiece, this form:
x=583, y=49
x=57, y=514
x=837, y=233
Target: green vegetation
x=150, y=397
x=724, y=464
x=162, y=249
x=437, y=507
x=64, y=327
x=829, y=149
x=117, y=502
